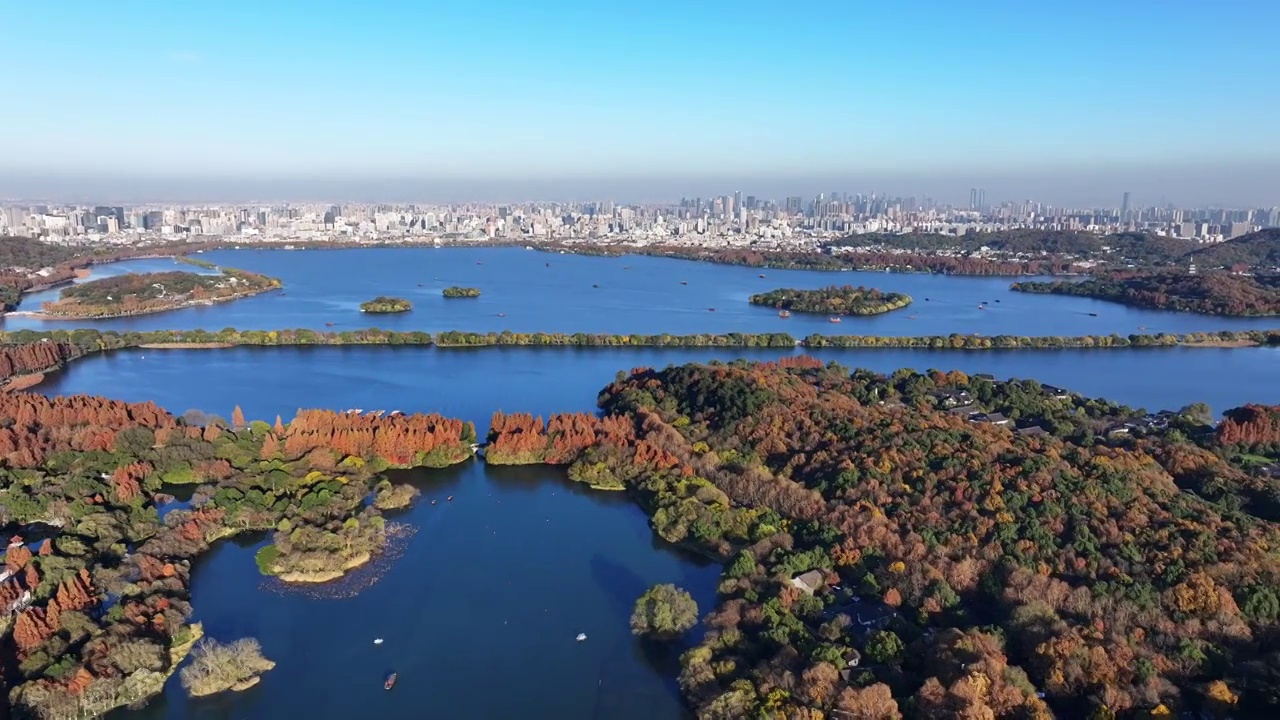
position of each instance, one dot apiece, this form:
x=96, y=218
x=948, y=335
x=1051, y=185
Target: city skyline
x=498, y=100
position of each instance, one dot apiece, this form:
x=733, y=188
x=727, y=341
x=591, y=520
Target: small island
x=145, y=293
x=454, y=291
x=1214, y=293
x=833, y=300
x=384, y=304
x=216, y=667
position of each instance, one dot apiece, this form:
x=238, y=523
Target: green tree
x=884, y=646
x=664, y=611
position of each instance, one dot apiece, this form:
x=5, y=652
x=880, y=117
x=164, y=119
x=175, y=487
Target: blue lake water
x=480, y=606
x=529, y=291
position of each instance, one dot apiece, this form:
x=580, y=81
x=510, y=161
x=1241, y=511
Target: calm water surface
x=527, y=291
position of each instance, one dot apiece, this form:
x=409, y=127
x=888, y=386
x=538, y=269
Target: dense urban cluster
x=724, y=220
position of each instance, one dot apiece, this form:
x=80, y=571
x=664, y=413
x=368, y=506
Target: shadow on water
x=625, y=686
x=537, y=478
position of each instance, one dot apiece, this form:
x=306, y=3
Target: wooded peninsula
x=940, y=545
x=1216, y=293
x=833, y=300
x=145, y=293
x=96, y=581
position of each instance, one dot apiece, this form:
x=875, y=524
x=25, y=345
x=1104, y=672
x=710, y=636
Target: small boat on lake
x=449, y=499
x=502, y=314
x=390, y=682
x=328, y=324
x=784, y=313
x=595, y=286
x=833, y=319
x=684, y=282
x=711, y=309
x=377, y=641
x=581, y=637
x=761, y=274
x=1093, y=314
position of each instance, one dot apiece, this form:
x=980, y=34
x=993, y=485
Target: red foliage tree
x=33, y=358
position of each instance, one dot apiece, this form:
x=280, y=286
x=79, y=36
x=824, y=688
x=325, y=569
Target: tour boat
x=784, y=313
x=833, y=319
x=390, y=682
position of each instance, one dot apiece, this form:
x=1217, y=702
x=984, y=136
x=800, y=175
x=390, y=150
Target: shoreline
x=18, y=383
x=314, y=578
x=187, y=346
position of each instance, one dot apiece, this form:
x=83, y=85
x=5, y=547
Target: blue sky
x=663, y=89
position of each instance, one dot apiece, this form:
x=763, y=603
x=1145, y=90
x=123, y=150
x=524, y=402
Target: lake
x=479, y=607
x=492, y=588
x=530, y=291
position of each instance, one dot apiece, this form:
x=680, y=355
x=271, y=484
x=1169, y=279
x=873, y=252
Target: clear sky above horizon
x=569, y=94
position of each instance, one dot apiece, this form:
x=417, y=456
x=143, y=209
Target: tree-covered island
x=95, y=584
x=1213, y=293
x=453, y=291
x=140, y=294
x=384, y=304
x=833, y=300
x=930, y=545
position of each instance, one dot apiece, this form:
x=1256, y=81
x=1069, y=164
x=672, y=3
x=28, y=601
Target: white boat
x=377, y=641
x=581, y=637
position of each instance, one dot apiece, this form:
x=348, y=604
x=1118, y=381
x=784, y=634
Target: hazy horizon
x=1255, y=185
x=495, y=100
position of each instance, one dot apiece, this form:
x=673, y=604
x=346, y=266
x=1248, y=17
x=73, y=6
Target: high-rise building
x=1124, y=207
x=973, y=198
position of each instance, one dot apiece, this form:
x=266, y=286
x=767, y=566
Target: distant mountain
x=1259, y=250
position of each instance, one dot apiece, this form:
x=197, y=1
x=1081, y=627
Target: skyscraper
x=1124, y=207
x=973, y=198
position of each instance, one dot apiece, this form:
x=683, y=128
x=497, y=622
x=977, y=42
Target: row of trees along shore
x=81, y=341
